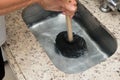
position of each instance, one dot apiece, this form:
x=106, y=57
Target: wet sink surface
x=45, y=25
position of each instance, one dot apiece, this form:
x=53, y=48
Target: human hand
x=67, y=7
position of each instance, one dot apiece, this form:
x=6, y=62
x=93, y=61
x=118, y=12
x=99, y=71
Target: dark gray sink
x=45, y=25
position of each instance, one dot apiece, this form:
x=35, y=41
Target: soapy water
x=46, y=32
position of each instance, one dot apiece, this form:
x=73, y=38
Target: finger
x=71, y=14
x=71, y=7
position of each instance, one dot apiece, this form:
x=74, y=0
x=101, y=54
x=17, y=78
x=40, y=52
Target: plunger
x=70, y=44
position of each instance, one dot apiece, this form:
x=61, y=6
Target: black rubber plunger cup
x=70, y=44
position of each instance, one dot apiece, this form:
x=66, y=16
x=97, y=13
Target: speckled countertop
x=29, y=61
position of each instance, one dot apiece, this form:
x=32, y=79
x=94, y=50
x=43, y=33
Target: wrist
x=40, y=2
x=33, y=1
x=36, y=1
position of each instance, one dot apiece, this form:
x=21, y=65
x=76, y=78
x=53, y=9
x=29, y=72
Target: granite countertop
x=30, y=62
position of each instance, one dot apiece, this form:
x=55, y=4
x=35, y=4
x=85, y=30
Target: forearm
x=12, y=8
x=67, y=7
x=8, y=3
x=12, y=5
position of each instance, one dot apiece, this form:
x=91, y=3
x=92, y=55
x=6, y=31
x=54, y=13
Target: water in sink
x=46, y=32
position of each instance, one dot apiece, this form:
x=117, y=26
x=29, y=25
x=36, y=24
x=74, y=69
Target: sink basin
x=45, y=25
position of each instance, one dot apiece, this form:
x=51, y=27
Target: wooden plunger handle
x=69, y=28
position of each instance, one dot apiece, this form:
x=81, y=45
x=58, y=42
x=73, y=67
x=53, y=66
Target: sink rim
x=102, y=26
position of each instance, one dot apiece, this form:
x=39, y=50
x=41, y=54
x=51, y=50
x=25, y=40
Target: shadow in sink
x=45, y=25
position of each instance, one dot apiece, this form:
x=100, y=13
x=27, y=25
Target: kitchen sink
x=46, y=25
